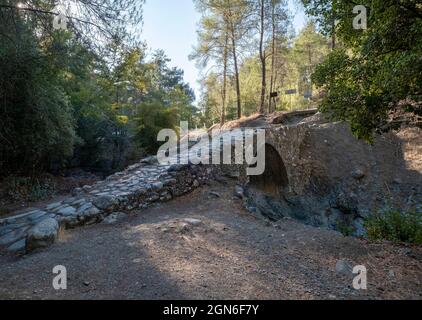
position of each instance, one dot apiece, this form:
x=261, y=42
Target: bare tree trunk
x=333, y=33
x=224, y=92
x=273, y=57
x=236, y=71
x=262, y=58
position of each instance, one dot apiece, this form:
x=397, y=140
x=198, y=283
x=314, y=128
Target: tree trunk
x=273, y=57
x=236, y=71
x=333, y=33
x=224, y=91
x=262, y=58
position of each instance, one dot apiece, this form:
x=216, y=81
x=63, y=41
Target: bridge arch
x=274, y=179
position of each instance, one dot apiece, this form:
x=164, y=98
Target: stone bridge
x=312, y=166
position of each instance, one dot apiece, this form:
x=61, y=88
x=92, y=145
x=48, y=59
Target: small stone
x=358, y=174
x=196, y=184
x=194, y=222
x=344, y=267
x=239, y=192
x=215, y=194
x=170, y=182
x=397, y=181
x=115, y=217
x=87, y=188
x=157, y=186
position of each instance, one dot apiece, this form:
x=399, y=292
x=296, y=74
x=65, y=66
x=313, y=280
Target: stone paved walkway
x=137, y=187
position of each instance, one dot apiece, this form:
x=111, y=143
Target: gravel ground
x=227, y=254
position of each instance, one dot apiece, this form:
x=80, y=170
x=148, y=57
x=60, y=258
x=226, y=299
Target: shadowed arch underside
x=274, y=179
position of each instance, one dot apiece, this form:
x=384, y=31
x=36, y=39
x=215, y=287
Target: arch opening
x=274, y=179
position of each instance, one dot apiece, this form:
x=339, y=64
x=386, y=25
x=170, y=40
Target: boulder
x=67, y=211
x=90, y=215
x=105, y=202
x=157, y=186
x=42, y=234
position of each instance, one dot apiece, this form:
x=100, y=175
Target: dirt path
x=229, y=254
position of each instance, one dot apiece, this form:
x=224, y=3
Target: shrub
x=27, y=189
x=395, y=225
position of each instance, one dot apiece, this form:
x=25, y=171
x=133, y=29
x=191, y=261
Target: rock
x=13, y=236
x=193, y=222
x=67, y=211
x=157, y=186
x=19, y=216
x=177, y=167
x=105, y=202
x=43, y=234
x=358, y=174
x=37, y=215
x=89, y=215
x=344, y=267
x=53, y=206
x=154, y=197
x=166, y=196
x=150, y=160
x=239, y=192
x=215, y=194
x=196, y=184
x=87, y=188
x=18, y=246
x=115, y=217
x=397, y=181
x=170, y=182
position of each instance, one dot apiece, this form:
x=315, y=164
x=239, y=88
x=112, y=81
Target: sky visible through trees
x=171, y=25
x=96, y=93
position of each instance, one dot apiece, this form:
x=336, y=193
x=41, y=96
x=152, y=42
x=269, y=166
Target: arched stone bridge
x=314, y=166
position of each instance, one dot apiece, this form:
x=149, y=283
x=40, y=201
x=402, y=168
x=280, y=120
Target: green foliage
x=395, y=225
x=37, y=126
x=294, y=63
x=65, y=101
x=371, y=70
x=346, y=229
x=27, y=189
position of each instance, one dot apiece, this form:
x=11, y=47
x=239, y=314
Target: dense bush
x=395, y=225
x=370, y=71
